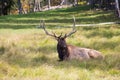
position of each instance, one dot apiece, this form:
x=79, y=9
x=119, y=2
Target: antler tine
x=54, y=35
x=60, y=35
x=43, y=26
x=73, y=29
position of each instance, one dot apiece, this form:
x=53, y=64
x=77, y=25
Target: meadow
x=27, y=53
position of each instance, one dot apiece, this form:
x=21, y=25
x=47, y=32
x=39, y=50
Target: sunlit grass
x=27, y=53
x=32, y=54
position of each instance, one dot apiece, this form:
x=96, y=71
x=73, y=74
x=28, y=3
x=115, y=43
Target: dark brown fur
x=67, y=52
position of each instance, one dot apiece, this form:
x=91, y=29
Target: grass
x=27, y=53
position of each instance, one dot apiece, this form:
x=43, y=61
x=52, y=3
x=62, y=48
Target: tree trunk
x=19, y=7
x=37, y=6
x=117, y=7
x=31, y=5
x=75, y=2
x=62, y=1
x=1, y=7
x=49, y=5
x=5, y=8
x=91, y=3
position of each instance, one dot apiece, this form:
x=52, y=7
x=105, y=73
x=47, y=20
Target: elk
x=68, y=52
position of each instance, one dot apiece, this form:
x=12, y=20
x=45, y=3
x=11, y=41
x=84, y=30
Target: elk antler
x=54, y=35
x=73, y=29
x=43, y=26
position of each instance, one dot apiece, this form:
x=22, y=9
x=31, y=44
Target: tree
x=37, y=5
x=31, y=5
x=62, y=1
x=117, y=7
x=19, y=7
x=75, y=2
x=55, y=2
x=102, y=4
x=49, y=5
x=5, y=6
x=65, y=2
x=1, y=7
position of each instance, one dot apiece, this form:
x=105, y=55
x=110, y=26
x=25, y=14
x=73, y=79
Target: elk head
x=62, y=47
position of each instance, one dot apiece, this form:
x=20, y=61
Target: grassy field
x=27, y=53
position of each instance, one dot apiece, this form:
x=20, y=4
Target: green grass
x=27, y=53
